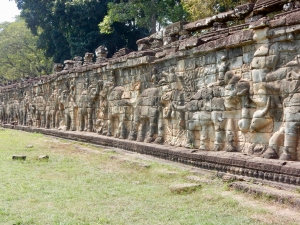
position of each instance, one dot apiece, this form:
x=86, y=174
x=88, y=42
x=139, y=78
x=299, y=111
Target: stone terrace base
x=225, y=162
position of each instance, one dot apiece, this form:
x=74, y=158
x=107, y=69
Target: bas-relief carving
x=242, y=98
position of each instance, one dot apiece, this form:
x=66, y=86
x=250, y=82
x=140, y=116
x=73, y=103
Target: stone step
x=280, y=196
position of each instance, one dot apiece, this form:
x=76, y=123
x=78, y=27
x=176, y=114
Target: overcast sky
x=8, y=10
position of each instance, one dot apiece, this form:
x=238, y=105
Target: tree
x=70, y=27
x=19, y=56
x=148, y=14
x=198, y=9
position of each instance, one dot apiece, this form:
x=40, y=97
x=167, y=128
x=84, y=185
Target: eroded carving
x=234, y=89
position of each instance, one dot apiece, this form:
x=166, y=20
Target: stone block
x=260, y=35
x=272, y=33
x=190, y=43
x=293, y=18
x=247, y=57
x=209, y=79
x=271, y=61
x=248, y=48
x=174, y=29
x=210, y=59
x=262, y=50
x=258, y=62
x=198, y=25
x=236, y=62
x=235, y=52
x=187, y=64
x=277, y=22
x=43, y=157
x=169, y=40
x=19, y=157
x=293, y=28
x=259, y=24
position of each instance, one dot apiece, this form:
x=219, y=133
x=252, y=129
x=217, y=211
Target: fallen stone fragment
x=228, y=178
x=184, y=188
x=194, y=178
x=41, y=157
x=29, y=146
x=18, y=157
x=280, y=196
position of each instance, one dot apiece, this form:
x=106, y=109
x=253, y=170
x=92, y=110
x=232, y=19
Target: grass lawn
x=82, y=184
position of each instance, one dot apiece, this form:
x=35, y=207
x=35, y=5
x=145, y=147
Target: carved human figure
x=101, y=53
x=16, y=110
x=292, y=121
x=261, y=119
x=289, y=131
x=31, y=109
x=155, y=76
x=86, y=106
x=24, y=107
x=70, y=109
x=222, y=68
x=52, y=109
x=13, y=112
x=198, y=117
x=39, y=106
x=236, y=99
x=118, y=109
x=88, y=58
x=146, y=111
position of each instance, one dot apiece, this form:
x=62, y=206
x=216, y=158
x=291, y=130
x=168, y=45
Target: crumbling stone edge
x=225, y=162
x=291, y=199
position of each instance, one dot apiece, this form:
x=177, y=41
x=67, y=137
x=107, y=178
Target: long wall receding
x=204, y=85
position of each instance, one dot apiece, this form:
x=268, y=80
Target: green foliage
x=148, y=14
x=198, y=9
x=19, y=56
x=70, y=27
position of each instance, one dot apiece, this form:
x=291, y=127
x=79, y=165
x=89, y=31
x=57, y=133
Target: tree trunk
x=153, y=19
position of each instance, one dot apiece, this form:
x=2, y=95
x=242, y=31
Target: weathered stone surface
x=224, y=89
x=228, y=178
x=266, y=6
x=174, y=29
x=280, y=196
x=43, y=157
x=293, y=18
x=190, y=42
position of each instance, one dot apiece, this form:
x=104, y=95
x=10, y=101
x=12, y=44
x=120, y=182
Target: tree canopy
x=70, y=27
x=149, y=14
x=19, y=56
x=198, y=9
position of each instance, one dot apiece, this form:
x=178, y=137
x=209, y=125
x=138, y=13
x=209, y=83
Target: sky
x=8, y=10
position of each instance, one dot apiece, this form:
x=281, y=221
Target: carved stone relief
x=234, y=89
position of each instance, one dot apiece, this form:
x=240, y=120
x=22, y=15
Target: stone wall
x=202, y=85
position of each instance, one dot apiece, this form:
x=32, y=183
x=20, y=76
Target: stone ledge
x=283, y=197
x=234, y=163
